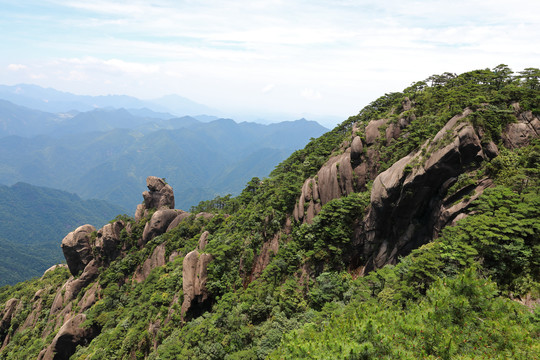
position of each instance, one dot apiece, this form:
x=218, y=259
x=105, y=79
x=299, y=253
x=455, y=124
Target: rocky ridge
x=409, y=205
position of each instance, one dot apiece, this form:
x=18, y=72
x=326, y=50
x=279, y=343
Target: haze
x=254, y=60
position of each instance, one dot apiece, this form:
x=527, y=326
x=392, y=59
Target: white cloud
x=268, y=88
x=16, y=67
x=311, y=94
x=222, y=53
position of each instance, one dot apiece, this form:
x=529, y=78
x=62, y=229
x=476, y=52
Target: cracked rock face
x=404, y=196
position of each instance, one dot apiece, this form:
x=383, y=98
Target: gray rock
x=158, y=224
x=77, y=248
x=159, y=196
x=70, y=335
x=194, y=277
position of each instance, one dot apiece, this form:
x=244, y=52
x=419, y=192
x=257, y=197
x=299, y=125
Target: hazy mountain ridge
x=51, y=100
x=76, y=152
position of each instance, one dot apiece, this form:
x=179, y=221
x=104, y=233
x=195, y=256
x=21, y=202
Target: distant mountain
x=23, y=121
x=33, y=222
x=86, y=156
x=51, y=100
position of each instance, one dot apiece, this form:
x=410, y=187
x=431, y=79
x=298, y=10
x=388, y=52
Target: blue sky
x=268, y=59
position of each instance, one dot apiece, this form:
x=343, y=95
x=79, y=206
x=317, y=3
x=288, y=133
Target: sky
x=271, y=59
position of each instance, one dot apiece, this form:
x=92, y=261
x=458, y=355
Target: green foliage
x=34, y=222
x=326, y=239
x=447, y=299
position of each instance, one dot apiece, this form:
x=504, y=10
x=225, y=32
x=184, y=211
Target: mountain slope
x=409, y=231
x=34, y=220
x=213, y=158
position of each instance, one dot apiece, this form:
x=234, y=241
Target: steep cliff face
x=409, y=201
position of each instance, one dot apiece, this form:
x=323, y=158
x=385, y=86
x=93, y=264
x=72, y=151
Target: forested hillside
x=34, y=219
x=409, y=231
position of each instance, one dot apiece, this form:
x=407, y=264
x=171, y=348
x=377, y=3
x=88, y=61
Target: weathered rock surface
x=70, y=335
x=406, y=199
x=6, y=316
x=108, y=241
x=155, y=260
x=158, y=224
x=182, y=215
x=521, y=133
x=77, y=248
x=74, y=286
x=194, y=277
x=160, y=195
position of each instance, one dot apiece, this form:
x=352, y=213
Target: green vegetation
x=34, y=222
x=449, y=299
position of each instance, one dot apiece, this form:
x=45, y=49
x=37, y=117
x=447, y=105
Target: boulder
x=108, y=240
x=74, y=286
x=70, y=335
x=182, y=215
x=77, y=248
x=6, y=316
x=372, y=130
x=158, y=224
x=356, y=148
x=203, y=240
x=155, y=260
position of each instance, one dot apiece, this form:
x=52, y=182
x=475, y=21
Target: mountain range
x=92, y=152
x=51, y=100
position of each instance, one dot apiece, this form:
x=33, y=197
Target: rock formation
x=77, y=248
x=160, y=195
x=194, y=276
x=108, y=240
x=69, y=336
x=412, y=189
x=155, y=260
x=158, y=224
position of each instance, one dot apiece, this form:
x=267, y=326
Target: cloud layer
x=323, y=57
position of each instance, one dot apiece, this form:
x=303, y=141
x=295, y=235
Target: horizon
x=269, y=60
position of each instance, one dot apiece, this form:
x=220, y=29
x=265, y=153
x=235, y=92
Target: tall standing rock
x=194, y=276
x=160, y=195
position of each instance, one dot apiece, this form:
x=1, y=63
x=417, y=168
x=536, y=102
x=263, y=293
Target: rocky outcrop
x=77, y=248
x=108, y=243
x=160, y=195
x=158, y=224
x=407, y=200
x=521, y=133
x=194, y=277
x=182, y=215
x=70, y=335
x=6, y=316
x=155, y=260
